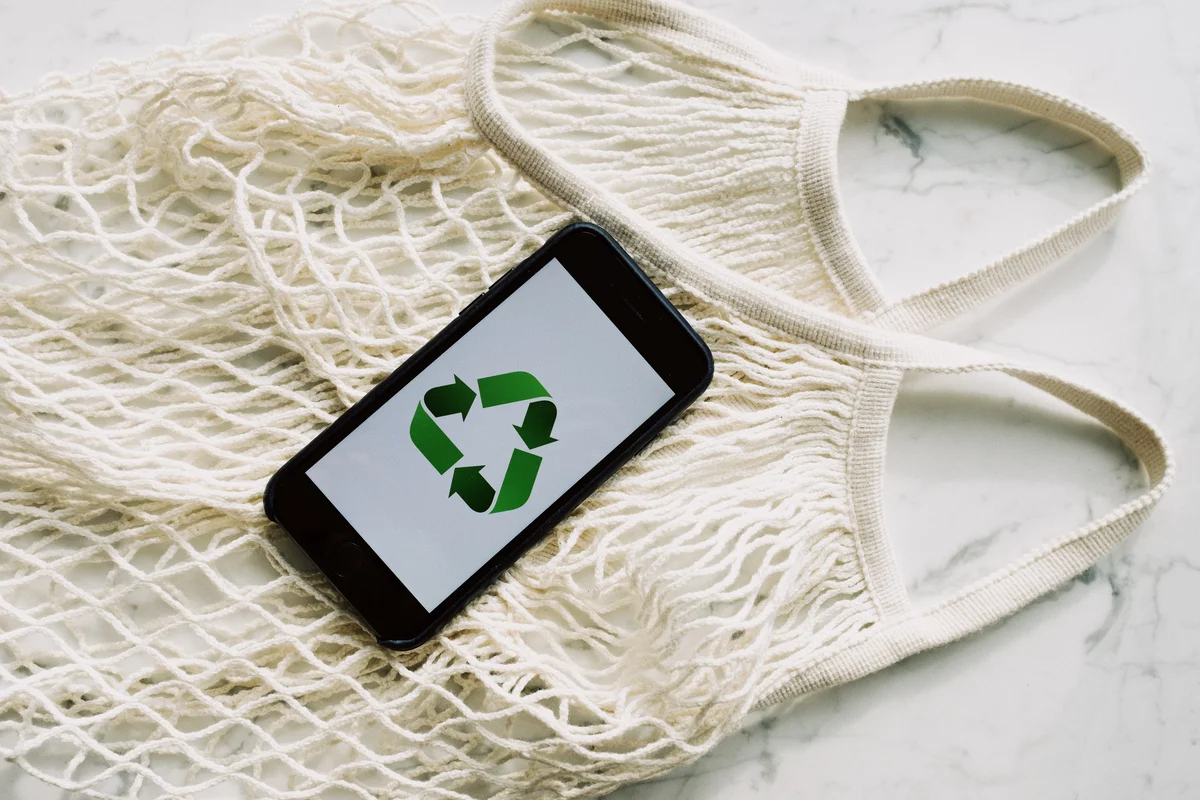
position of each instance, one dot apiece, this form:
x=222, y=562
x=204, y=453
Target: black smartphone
x=423, y=492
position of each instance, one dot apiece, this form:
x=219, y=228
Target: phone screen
x=458, y=462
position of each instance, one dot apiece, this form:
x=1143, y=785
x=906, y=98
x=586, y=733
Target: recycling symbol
x=496, y=390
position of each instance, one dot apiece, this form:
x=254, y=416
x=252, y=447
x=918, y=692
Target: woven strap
x=700, y=35
x=1026, y=578
x=946, y=301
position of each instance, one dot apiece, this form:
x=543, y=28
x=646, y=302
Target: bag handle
x=658, y=248
x=698, y=34
x=949, y=300
x=905, y=631
x=856, y=341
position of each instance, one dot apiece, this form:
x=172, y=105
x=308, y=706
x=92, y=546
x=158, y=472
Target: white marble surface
x=1094, y=692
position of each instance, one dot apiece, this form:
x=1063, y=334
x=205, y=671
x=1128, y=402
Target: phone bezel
x=635, y=306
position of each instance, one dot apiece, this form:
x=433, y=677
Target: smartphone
x=422, y=493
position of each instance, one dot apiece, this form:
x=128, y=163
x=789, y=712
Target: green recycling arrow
x=539, y=421
x=518, y=480
x=511, y=387
x=433, y=444
x=453, y=398
x=472, y=487
x=469, y=482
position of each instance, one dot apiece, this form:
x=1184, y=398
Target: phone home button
x=347, y=558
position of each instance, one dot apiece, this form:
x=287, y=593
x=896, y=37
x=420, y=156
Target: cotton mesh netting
x=209, y=255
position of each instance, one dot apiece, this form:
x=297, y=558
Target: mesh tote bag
x=209, y=255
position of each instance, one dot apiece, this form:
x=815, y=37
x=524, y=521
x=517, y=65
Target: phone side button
x=471, y=304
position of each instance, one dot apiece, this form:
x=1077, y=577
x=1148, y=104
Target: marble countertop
x=1093, y=692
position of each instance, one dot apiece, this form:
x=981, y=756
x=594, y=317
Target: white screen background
x=397, y=501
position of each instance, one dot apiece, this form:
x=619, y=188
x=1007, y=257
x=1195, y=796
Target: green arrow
x=518, y=480
x=539, y=421
x=453, y=398
x=433, y=444
x=472, y=487
x=510, y=387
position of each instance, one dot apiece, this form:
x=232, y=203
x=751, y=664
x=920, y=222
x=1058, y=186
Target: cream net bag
x=209, y=255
